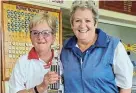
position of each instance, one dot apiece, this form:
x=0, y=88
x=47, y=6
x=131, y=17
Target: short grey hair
x=84, y=4
x=44, y=17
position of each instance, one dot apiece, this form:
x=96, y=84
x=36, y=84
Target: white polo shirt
x=29, y=71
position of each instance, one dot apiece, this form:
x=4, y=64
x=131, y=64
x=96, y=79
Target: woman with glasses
x=93, y=62
x=32, y=71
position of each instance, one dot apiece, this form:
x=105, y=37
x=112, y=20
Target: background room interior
x=115, y=23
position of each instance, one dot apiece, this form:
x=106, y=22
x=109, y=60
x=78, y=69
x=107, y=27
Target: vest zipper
x=81, y=62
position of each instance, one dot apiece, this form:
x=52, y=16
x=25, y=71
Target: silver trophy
x=56, y=87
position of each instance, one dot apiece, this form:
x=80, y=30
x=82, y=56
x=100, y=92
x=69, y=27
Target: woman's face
x=83, y=25
x=42, y=37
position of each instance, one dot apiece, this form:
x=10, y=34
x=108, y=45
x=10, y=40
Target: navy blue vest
x=91, y=71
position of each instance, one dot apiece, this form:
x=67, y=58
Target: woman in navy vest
x=93, y=62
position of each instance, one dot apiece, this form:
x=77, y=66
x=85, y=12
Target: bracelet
x=35, y=89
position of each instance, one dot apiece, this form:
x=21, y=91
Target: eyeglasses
x=44, y=33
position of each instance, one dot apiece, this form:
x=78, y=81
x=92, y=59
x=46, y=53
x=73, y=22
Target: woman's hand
x=49, y=78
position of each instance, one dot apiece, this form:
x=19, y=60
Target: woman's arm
x=41, y=88
x=125, y=90
x=123, y=69
x=26, y=91
x=49, y=78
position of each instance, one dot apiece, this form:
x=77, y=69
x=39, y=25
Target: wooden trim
x=60, y=29
x=31, y=6
x=0, y=49
x=3, y=87
x=0, y=65
x=2, y=43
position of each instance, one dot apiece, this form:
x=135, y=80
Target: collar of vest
x=101, y=41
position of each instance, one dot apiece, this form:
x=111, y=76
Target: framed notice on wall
x=15, y=23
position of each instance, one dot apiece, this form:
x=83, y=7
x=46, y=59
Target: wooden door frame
x=0, y=53
x=0, y=50
x=0, y=63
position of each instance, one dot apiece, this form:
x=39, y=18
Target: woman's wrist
x=35, y=90
x=41, y=88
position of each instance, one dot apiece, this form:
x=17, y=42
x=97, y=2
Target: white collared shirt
x=122, y=67
x=28, y=73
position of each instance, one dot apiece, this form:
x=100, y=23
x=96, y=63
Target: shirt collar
x=32, y=54
x=71, y=42
x=101, y=41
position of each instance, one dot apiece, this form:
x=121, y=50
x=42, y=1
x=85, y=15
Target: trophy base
x=54, y=91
